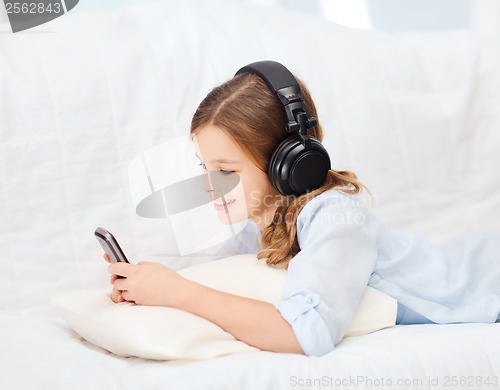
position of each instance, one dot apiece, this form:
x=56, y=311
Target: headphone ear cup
x=276, y=163
x=294, y=170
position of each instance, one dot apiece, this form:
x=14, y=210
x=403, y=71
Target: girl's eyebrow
x=221, y=160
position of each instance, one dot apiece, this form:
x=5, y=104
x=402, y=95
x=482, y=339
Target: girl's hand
x=147, y=283
x=116, y=295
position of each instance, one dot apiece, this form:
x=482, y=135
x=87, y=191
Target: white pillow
x=163, y=333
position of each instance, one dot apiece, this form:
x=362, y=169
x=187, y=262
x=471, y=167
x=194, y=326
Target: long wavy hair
x=248, y=111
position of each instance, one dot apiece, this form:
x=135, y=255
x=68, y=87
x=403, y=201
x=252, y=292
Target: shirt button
x=310, y=300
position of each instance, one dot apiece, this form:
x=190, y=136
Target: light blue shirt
x=345, y=247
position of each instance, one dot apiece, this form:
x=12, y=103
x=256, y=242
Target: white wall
x=383, y=15
x=412, y=15
x=485, y=16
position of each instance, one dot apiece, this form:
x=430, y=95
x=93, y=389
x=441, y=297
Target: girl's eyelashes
x=221, y=170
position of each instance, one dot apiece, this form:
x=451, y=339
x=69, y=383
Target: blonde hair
x=248, y=111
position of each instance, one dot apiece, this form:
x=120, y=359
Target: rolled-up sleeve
x=328, y=277
x=299, y=311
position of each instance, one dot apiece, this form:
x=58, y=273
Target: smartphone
x=110, y=245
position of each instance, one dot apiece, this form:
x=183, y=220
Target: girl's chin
x=231, y=217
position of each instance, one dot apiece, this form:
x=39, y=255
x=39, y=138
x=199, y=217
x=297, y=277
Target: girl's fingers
x=113, y=295
x=116, y=296
x=119, y=297
x=122, y=269
x=123, y=298
x=121, y=284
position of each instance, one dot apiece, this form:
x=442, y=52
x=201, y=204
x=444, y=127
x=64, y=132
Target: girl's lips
x=220, y=207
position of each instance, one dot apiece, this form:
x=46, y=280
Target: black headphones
x=300, y=163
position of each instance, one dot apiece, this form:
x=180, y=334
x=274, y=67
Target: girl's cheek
x=252, y=199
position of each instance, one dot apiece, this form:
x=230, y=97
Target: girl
x=332, y=245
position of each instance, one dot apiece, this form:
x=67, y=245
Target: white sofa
x=416, y=116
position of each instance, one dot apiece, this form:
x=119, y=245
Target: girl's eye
x=220, y=170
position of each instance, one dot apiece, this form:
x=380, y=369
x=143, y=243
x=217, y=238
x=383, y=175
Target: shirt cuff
x=309, y=327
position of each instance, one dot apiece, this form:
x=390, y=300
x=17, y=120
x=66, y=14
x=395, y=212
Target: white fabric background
x=414, y=115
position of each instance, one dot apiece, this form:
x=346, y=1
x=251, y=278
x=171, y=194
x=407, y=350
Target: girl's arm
x=254, y=322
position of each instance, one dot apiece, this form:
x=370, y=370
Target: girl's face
x=253, y=197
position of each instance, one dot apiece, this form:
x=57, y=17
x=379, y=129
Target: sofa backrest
x=415, y=116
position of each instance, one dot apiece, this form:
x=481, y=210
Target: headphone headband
x=282, y=82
